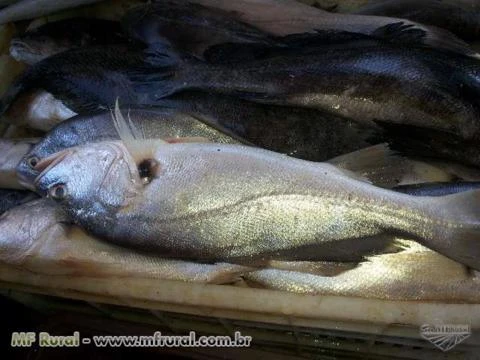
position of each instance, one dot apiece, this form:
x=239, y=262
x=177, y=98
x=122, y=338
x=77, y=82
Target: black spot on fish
x=147, y=169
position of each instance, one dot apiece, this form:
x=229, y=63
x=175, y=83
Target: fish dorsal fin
x=133, y=138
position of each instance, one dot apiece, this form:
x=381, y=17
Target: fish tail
x=162, y=75
x=456, y=234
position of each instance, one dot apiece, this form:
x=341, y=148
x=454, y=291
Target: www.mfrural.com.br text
x=44, y=339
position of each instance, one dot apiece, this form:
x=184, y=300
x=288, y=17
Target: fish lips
x=42, y=182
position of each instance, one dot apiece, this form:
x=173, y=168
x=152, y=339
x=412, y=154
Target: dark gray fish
x=55, y=37
x=12, y=198
x=437, y=189
x=292, y=17
x=364, y=79
x=84, y=79
x=460, y=19
x=298, y=132
x=188, y=27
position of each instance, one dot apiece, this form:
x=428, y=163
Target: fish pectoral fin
x=379, y=164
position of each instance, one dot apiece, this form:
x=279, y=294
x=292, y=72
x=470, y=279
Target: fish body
x=83, y=79
x=460, y=19
x=213, y=202
x=411, y=275
x=29, y=9
x=12, y=198
x=12, y=153
x=52, y=38
x=34, y=239
x=188, y=27
x=375, y=82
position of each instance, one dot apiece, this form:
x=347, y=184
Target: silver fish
x=34, y=239
x=29, y=9
x=413, y=274
x=12, y=153
x=234, y=203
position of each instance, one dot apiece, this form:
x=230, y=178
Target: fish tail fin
x=456, y=232
x=408, y=33
x=163, y=73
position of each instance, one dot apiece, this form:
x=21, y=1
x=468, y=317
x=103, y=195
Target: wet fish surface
x=363, y=79
x=55, y=37
x=84, y=79
x=35, y=239
x=302, y=133
x=414, y=274
x=190, y=28
x=214, y=202
x=286, y=17
x=460, y=19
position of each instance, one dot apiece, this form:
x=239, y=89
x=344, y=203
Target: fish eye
x=58, y=192
x=32, y=161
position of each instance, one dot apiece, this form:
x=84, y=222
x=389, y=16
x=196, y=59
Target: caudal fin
x=456, y=227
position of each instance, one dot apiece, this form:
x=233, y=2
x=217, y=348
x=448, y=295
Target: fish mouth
x=46, y=164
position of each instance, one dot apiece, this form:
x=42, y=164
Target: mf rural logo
x=445, y=337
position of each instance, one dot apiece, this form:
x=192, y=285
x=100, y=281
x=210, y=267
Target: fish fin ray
x=381, y=165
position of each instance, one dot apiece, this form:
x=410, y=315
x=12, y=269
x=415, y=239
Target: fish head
x=32, y=48
x=59, y=138
x=91, y=182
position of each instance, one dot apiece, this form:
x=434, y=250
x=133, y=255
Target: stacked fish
x=265, y=140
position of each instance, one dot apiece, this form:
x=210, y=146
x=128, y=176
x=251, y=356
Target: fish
x=34, y=238
x=460, y=19
x=292, y=17
x=12, y=153
x=82, y=80
x=12, y=198
x=54, y=37
x=37, y=109
x=29, y=9
x=358, y=79
x=239, y=204
x=190, y=28
x=414, y=274
x=438, y=188
x=302, y=133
